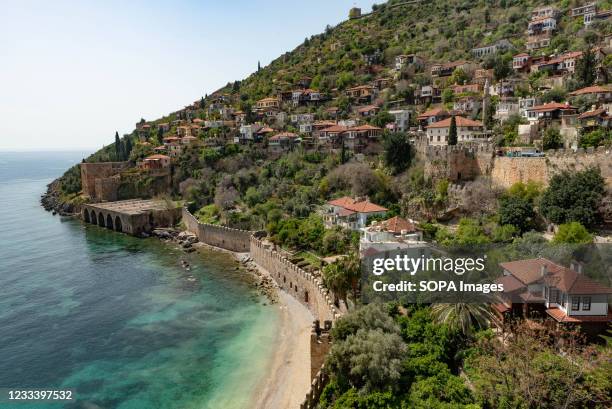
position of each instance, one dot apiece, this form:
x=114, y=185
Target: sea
x=115, y=319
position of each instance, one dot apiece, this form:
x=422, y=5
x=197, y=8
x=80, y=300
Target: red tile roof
x=459, y=121
x=595, y=89
x=365, y=127
x=283, y=135
x=364, y=206
x=551, y=106
x=590, y=114
x=510, y=283
x=335, y=128
x=157, y=157
x=433, y=112
x=342, y=201
x=345, y=212
x=398, y=224
x=560, y=316
x=567, y=280
x=367, y=108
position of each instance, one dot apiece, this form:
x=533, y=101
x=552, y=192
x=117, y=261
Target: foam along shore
x=288, y=375
x=288, y=379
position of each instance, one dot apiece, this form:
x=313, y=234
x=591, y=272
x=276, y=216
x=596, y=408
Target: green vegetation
x=574, y=197
x=572, y=233
x=382, y=358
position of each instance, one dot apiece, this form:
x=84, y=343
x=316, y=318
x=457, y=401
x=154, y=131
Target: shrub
x=572, y=233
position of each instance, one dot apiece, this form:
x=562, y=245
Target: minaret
x=485, y=104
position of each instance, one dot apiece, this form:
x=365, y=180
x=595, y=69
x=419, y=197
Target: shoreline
x=287, y=378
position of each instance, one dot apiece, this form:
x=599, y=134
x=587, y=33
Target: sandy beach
x=288, y=375
x=288, y=378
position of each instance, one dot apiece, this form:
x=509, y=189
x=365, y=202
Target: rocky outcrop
x=51, y=201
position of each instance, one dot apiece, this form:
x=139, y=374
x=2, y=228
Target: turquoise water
x=117, y=318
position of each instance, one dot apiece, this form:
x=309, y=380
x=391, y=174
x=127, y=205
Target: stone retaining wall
x=318, y=383
x=218, y=236
x=303, y=286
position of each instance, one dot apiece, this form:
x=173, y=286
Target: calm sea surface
x=117, y=318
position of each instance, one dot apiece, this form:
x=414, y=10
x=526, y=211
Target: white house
x=351, y=213
x=402, y=119
x=467, y=131
x=565, y=295
x=505, y=109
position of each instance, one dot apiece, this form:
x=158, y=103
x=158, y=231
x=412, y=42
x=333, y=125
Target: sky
x=73, y=73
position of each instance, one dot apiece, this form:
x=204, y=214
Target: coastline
x=287, y=379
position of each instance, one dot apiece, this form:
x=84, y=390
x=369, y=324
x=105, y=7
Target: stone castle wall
x=509, y=170
x=469, y=161
x=303, y=286
x=218, y=236
x=465, y=161
x=91, y=172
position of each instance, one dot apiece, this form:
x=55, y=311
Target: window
x=554, y=296
x=575, y=303
x=586, y=303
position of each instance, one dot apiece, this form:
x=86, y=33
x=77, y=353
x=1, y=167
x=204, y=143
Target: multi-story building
x=540, y=288
x=467, y=131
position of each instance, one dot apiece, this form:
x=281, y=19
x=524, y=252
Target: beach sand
x=288, y=378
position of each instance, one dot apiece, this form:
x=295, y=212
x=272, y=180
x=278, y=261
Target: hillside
x=356, y=52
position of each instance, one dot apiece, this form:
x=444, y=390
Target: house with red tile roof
x=598, y=92
x=467, y=131
x=361, y=93
x=283, y=141
x=542, y=288
x=351, y=213
x=156, y=161
x=392, y=234
x=550, y=112
x=594, y=119
x=433, y=115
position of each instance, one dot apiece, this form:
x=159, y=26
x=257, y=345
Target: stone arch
x=101, y=220
x=118, y=224
x=86, y=218
x=94, y=218
x=109, y=221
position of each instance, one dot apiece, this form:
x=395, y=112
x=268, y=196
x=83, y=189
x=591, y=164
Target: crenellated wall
x=303, y=286
x=218, y=236
x=509, y=170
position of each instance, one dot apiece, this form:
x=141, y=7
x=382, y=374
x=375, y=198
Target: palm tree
x=464, y=317
x=352, y=268
x=335, y=279
x=342, y=276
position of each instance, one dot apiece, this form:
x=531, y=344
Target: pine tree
x=258, y=66
x=452, y=132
